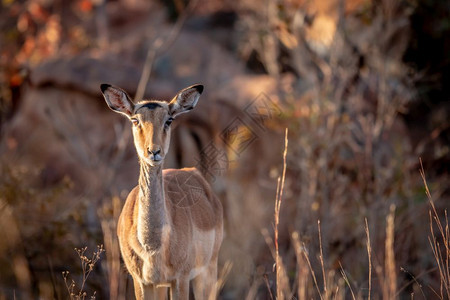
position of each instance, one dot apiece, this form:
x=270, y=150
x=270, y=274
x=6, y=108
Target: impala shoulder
x=182, y=179
x=184, y=173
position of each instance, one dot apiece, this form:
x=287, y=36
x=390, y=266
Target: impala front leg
x=204, y=284
x=154, y=292
x=180, y=289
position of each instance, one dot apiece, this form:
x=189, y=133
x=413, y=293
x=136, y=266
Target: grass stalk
x=441, y=255
x=344, y=275
x=280, y=276
x=369, y=254
x=322, y=265
x=390, y=286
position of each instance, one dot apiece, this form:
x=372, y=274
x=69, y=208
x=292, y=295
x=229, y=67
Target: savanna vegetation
x=324, y=130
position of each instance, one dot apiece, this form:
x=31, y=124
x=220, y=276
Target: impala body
x=171, y=226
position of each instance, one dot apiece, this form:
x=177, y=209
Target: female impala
x=171, y=226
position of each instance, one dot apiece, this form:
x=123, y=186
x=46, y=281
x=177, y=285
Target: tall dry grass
x=440, y=243
x=305, y=284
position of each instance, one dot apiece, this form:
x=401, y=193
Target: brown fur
x=180, y=257
x=171, y=226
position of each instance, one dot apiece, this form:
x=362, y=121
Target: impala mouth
x=152, y=161
x=155, y=160
x=156, y=157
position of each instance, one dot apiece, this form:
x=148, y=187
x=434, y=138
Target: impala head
x=151, y=118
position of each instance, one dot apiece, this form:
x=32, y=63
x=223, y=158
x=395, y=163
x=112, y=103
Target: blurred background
x=361, y=85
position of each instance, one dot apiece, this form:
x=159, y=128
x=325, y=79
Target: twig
x=278, y=262
x=344, y=275
x=399, y=291
x=160, y=46
x=321, y=261
x=266, y=280
x=312, y=272
x=87, y=266
x=414, y=279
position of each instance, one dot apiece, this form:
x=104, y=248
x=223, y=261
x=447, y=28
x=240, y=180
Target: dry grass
x=387, y=276
x=440, y=245
x=87, y=266
x=369, y=255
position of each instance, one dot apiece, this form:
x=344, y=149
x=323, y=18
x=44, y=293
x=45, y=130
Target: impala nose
x=155, y=154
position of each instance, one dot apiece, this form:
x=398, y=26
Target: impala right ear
x=117, y=99
x=185, y=100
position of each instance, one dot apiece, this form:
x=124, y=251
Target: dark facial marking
x=151, y=105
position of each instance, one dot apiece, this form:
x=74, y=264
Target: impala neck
x=152, y=209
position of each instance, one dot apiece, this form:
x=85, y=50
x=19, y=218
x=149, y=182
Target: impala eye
x=168, y=122
x=135, y=121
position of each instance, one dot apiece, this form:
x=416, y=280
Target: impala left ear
x=117, y=99
x=185, y=100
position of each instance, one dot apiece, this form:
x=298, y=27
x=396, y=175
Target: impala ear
x=117, y=99
x=185, y=100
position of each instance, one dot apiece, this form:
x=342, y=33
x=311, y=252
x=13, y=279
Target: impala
x=171, y=226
